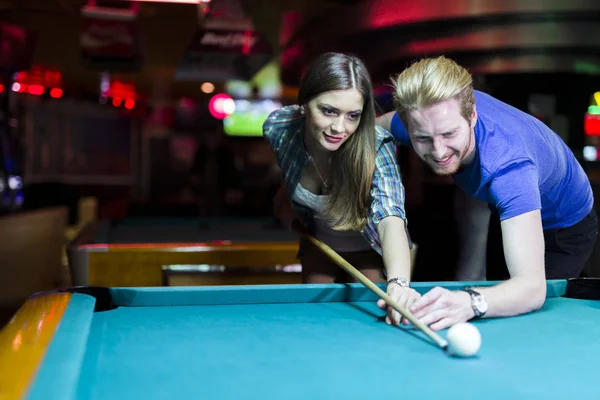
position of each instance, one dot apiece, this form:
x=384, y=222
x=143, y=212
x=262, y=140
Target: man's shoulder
x=505, y=134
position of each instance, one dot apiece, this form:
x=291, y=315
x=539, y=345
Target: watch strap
x=403, y=282
x=473, y=293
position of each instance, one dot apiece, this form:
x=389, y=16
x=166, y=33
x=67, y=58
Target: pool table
x=152, y=252
x=288, y=341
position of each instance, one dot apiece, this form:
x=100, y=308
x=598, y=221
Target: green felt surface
x=319, y=343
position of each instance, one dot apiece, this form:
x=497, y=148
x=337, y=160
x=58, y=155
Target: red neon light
x=39, y=75
x=122, y=90
x=129, y=104
x=56, y=93
x=36, y=90
x=246, y=44
x=216, y=107
x=591, y=125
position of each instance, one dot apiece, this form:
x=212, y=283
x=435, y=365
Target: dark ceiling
x=488, y=36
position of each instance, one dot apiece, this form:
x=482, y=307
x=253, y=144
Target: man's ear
x=474, y=115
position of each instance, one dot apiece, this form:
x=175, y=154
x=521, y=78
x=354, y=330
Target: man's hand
x=441, y=308
x=404, y=297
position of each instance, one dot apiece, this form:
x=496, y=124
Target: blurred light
x=228, y=106
x=104, y=84
x=36, y=90
x=129, y=104
x=590, y=153
x=243, y=105
x=597, y=98
x=1, y=88
x=117, y=101
x=15, y=183
x=207, y=87
x=187, y=103
x=239, y=89
x=56, y=93
x=594, y=110
x=16, y=87
x=221, y=105
x=591, y=125
x=172, y=1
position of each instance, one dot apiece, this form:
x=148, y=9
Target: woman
x=341, y=175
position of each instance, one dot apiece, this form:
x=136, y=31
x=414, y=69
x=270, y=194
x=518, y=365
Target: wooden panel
x=31, y=245
x=123, y=267
x=24, y=341
x=228, y=278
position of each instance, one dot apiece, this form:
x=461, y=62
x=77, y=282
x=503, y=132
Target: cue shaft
x=374, y=288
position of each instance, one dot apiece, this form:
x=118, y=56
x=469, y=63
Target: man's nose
x=439, y=150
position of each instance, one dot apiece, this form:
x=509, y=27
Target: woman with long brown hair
x=341, y=175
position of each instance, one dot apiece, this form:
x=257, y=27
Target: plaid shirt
x=284, y=130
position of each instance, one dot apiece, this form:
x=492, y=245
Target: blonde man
x=509, y=159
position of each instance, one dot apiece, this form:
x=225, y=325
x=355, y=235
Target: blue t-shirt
x=520, y=165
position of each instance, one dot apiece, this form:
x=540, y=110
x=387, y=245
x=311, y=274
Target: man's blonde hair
x=430, y=81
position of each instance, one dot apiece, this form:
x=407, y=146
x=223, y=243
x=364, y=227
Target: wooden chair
x=31, y=244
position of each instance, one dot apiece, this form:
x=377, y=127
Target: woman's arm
x=389, y=220
x=395, y=247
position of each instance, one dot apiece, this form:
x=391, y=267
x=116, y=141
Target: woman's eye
x=353, y=117
x=328, y=111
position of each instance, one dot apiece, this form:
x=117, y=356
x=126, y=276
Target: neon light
x=172, y=1
x=591, y=125
x=36, y=90
x=56, y=93
x=594, y=110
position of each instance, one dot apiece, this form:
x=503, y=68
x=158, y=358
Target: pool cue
x=339, y=260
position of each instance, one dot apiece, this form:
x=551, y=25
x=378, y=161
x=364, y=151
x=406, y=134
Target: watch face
x=480, y=303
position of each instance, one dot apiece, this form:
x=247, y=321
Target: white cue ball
x=464, y=339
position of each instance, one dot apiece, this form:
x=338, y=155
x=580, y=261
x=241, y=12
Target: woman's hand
x=404, y=297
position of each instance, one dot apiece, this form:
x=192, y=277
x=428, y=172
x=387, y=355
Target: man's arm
x=525, y=291
x=385, y=121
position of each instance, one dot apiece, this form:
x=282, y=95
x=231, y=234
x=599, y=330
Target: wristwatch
x=403, y=282
x=478, y=302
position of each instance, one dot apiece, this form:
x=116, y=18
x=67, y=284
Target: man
x=512, y=161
